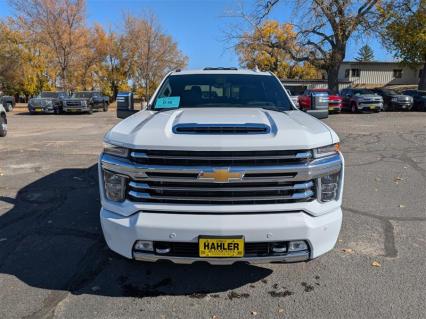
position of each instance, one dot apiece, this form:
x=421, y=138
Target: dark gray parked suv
x=393, y=101
x=419, y=99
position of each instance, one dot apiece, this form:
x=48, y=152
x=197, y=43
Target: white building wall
x=379, y=74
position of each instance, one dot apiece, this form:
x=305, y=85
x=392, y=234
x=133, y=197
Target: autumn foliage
x=48, y=45
x=255, y=50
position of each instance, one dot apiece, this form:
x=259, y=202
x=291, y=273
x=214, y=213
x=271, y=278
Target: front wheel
x=8, y=107
x=105, y=107
x=90, y=110
x=354, y=109
x=3, y=126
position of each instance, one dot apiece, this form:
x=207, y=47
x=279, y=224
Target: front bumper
x=402, y=105
x=75, y=109
x=320, y=232
x=370, y=107
x=334, y=108
x=41, y=109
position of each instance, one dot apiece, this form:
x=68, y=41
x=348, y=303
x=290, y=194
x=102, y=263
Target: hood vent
x=221, y=129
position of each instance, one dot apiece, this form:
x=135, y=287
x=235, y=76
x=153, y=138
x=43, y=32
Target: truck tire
x=105, y=107
x=8, y=107
x=90, y=109
x=354, y=109
x=3, y=126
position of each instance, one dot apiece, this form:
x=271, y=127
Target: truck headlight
x=115, y=186
x=326, y=150
x=328, y=187
x=115, y=150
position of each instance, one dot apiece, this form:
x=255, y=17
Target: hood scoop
x=221, y=129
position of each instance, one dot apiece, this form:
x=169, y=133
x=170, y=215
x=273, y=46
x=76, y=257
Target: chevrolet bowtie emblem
x=221, y=176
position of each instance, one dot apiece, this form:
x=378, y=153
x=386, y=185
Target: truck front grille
x=73, y=103
x=182, y=184
x=220, y=193
x=370, y=102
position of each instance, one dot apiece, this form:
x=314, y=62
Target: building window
x=397, y=73
x=356, y=73
x=347, y=71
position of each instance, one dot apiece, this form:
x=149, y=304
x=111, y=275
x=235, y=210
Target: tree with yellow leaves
x=405, y=32
x=58, y=26
x=254, y=51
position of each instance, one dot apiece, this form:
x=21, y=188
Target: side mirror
x=122, y=114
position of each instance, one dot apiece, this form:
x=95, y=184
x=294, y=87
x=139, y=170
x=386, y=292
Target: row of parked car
x=361, y=100
x=59, y=102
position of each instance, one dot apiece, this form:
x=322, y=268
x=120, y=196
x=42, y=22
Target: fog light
x=328, y=187
x=145, y=245
x=279, y=248
x=115, y=186
x=297, y=246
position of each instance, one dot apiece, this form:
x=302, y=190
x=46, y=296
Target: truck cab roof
x=219, y=70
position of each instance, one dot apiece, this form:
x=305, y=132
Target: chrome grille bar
x=143, y=155
x=141, y=195
x=197, y=188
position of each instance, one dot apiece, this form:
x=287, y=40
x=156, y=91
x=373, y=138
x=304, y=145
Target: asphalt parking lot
x=55, y=263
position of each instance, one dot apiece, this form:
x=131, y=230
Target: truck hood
x=160, y=130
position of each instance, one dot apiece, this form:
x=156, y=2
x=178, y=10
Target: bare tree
x=323, y=28
x=56, y=24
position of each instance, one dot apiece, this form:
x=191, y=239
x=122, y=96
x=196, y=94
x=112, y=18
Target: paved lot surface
x=54, y=262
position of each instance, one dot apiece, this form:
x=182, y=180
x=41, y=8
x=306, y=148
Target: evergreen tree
x=365, y=54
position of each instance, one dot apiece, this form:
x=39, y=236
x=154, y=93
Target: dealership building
x=363, y=74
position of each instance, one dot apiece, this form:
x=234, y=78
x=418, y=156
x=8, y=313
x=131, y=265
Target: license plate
x=73, y=110
x=221, y=246
x=38, y=110
x=372, y=107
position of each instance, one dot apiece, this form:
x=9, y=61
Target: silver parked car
x=3, y=121
x=357, y=100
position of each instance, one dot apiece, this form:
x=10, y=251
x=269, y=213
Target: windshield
x=390, y=92
x=85, y=95
x=49, y=94
x=221, y=90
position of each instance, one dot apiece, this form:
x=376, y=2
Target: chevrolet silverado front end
x=221, y=168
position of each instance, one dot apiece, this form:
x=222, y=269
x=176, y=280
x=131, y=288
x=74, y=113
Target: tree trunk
x=337, y=56
x=333, y=78
x=422, y=81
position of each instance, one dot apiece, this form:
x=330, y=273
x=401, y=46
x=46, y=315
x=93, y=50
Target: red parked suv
x=334, y=101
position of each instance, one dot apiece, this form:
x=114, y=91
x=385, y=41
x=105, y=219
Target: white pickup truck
x=221, y=167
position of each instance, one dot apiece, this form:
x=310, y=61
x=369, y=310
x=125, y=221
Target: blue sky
x=197, y=25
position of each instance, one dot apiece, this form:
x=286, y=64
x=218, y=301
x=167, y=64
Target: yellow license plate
x=38, y=110
x=221, y=247
x=372, y=107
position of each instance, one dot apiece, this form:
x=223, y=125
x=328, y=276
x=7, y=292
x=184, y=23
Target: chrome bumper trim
x=290, y=257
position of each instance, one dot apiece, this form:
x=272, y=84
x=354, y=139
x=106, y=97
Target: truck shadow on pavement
x=51, y=238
